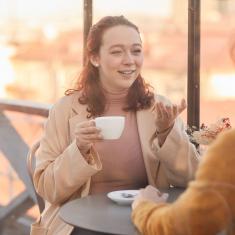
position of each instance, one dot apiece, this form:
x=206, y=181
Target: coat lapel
x=146, y=128
x=79, y=114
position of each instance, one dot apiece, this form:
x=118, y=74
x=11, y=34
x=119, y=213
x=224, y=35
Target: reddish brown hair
x=139, y=95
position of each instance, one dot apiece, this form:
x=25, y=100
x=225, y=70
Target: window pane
x=217, y=60
x=40, y=48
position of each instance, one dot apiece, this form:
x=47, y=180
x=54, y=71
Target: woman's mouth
x=126, y=73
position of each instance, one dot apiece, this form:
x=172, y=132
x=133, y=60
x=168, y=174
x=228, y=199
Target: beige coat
x=62, y=174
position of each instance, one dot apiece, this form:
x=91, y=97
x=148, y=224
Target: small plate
x=123, y=197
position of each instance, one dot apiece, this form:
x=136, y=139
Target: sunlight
x=223, y=85
x=7, y=75
x=50, y=31
x=39, y=11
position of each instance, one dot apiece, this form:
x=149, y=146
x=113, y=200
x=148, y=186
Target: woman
x=73, y=159
x=207, y=207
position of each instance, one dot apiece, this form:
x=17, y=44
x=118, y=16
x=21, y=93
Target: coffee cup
x=111, y=126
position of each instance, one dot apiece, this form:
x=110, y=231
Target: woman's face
x=120, y=58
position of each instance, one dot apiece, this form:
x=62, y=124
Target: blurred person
x=74, y=160
x=207, y=207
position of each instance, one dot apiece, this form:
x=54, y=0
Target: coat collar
x=76, y=107
x=146, y=128
x=79, y=114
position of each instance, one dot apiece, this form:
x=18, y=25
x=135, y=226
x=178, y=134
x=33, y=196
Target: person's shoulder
x=66, y=102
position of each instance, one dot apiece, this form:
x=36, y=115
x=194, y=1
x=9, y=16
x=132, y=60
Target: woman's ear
x=94, y=61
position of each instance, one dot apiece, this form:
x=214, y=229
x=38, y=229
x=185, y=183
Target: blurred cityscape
x=35, y=55
x=40, y=59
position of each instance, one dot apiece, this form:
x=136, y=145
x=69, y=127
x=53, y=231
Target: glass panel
x=217, y=60
x=40, y=48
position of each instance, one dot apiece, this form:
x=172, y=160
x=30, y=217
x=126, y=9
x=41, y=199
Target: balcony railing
x=15, y=149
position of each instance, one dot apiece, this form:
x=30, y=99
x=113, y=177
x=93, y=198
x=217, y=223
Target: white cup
x=111, y=126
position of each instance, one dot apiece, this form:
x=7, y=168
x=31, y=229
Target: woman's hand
x=86, y=134
x=165, y=115
x=149, y=194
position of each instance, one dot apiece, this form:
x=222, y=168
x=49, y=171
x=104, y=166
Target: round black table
x=99, y=215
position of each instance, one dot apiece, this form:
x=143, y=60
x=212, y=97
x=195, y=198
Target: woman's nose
x=128, y=58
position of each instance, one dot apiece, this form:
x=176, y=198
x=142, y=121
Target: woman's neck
x=115, y=96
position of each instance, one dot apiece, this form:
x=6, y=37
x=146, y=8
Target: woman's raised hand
x=86, y=134
x=165, y=115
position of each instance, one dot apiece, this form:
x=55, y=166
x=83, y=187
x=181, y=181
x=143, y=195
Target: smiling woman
x=120, y=59
x=75, y=160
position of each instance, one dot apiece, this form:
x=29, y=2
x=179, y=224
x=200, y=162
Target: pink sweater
x=122, y=160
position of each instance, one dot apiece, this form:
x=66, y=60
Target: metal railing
x=25, y=106
x=15, y=150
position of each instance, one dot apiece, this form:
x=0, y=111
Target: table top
x=98, y=213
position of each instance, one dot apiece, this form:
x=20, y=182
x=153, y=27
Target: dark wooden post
x=193, y=115
x=87, y=22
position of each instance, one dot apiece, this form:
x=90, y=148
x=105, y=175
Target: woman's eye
x=116, y=52
x=137, y=51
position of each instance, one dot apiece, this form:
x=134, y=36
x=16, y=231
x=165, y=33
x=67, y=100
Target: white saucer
x=123, y=197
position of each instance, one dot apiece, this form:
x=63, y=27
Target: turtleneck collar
x=115, y=97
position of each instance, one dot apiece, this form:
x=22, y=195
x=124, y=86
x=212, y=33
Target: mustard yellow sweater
x=207, y=207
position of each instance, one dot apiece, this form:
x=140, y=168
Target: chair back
x=31, y=166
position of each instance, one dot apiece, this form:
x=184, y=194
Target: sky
x=37, y=9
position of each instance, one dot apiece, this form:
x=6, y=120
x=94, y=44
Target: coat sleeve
x=151, y=218
x=178, y=156
x=60, y=168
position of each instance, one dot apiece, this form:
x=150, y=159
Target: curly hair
x=139, y=94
